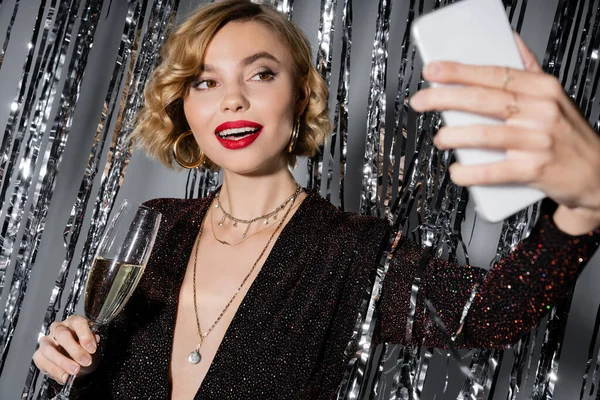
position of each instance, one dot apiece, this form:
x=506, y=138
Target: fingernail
x=451, y=171
x=97, y=338
x=431, y=69
x=64, y=377
x=416, y=100
x=74, y=369
x=91, y=347
x=440, y=137
x=86, y=361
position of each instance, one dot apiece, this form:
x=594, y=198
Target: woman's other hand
x=549, y=145
x=69, y=348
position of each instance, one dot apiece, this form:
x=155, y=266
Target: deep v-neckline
x=248, y=300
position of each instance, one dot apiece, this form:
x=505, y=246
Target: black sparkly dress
x=289, y=335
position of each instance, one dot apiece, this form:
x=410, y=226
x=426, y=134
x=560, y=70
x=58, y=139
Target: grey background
x=147, y=179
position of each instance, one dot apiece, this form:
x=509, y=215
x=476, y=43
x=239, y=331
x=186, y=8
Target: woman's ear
x=303, y=97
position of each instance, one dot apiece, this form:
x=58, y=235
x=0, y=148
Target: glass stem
x=94, y=327
x=66, y=390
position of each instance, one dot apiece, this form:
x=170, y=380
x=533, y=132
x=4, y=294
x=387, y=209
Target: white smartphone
x=476, y=32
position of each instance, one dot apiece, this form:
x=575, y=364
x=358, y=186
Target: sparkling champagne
x=108, y=288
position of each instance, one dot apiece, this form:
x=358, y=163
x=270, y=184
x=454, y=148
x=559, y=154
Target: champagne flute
x=117, y=267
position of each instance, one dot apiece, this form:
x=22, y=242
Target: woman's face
x=241, y=108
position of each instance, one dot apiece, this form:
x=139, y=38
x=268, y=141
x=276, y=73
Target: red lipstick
x=238, y=134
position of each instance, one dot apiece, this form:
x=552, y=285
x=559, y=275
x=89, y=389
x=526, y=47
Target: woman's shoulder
x=176, y=209
x=346, y=222
x=339, y=235
x=172, y=202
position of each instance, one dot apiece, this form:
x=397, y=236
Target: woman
x=236, y=91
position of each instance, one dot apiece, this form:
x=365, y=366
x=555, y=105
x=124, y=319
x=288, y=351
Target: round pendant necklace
x=195, y=357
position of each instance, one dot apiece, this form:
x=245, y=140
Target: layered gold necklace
x=194, y=357
x=265, y=218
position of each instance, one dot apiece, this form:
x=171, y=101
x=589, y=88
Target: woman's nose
x=235, y=100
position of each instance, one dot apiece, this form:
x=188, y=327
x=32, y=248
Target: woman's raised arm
x=550, y=146
x=510, y=299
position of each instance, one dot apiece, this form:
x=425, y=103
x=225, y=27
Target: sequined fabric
x=288, y=337
x=511, y=299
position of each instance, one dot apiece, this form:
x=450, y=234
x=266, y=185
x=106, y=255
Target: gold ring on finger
x=507, y=79
x=512, y=108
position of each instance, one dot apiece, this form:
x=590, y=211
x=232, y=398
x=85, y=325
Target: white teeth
x=236, y=131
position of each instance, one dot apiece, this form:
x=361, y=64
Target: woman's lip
x=237, y=124
x=239, y=143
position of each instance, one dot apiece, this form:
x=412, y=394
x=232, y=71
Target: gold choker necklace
x=273, y=214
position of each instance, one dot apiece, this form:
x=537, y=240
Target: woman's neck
x=248, y=197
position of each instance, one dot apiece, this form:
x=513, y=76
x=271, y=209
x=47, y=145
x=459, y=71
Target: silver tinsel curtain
x=403, y=177
x=35, y=138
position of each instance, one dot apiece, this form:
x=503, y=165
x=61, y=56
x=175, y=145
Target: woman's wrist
x=576, y=221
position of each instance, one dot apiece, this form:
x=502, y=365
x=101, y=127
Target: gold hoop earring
x=294, y=138
x=180, y=161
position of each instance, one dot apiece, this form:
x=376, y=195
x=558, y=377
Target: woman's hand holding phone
x=549, y=145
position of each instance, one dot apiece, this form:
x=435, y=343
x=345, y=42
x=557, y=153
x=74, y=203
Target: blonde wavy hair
x=161, y=120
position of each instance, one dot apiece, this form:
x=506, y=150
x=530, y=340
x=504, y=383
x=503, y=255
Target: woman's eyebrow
x=245, y=62
x=253, y=58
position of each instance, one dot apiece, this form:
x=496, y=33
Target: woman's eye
x=205, y=84
x=263, y=76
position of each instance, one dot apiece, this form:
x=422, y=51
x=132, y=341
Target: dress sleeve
x=510, y=299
